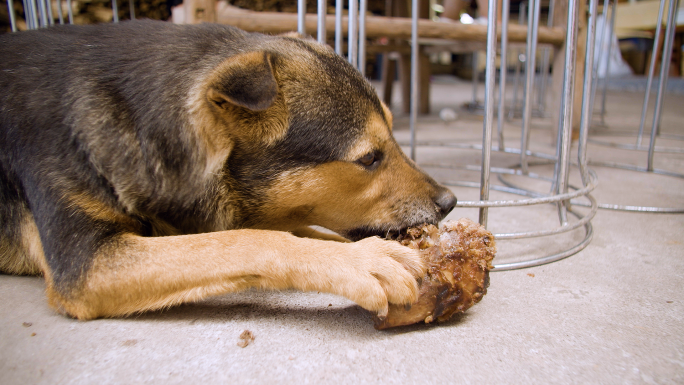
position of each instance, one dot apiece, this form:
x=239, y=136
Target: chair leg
x=405, y=80
x=423, y=83
x=389, y=70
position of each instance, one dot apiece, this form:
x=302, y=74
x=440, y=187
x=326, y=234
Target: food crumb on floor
x=246, y=337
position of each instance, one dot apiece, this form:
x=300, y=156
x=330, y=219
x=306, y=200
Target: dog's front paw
x=385, y=271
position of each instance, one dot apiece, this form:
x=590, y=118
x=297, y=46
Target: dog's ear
x=245, y=80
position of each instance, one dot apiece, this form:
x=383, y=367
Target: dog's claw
x=382, y=313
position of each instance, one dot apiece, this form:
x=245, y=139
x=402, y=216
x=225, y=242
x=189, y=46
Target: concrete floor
x=611, y=314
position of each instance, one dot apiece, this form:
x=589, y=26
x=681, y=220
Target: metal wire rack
x=651, y=149
x=561, y=193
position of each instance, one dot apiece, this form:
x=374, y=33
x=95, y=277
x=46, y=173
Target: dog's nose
x=446, y=201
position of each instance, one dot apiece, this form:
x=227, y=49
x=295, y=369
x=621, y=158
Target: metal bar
x=362, y=37
x=43, y=13
x=586, y=93
x=631, y=147
x=630, y=167
x=339, y=4
x=651, y=72
x=12, y=16
x=565, y=134
x=131, y=6
x=301, y=17
x=27, y=13
x=529, y=202
x=414, y=75
x=667, y=77
x=115, y=11
x=563, y=229
x=60, y=13
x=521, y=20
x=50, y=18
x=505, y=13
x=602, y=33
x=545, y=62
x=33, y=10
x=543, y=233
x=664, y=69
x=611, y=31
x=70, y=12
x=530, y=57
x=353, y=34
x=551, y=258
x=488, y=125
x=592, y=180
x=322, y=11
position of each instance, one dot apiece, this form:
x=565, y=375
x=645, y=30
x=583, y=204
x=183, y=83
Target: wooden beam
x=197, y=11
x=379, y=26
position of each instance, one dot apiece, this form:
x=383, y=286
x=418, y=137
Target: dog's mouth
x=389, y=233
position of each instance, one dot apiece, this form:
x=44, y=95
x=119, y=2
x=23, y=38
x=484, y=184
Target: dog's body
x=145, y=164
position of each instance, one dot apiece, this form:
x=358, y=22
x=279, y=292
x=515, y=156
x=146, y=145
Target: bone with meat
x=459, y=256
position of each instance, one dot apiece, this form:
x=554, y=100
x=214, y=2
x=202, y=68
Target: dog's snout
x=446, y=201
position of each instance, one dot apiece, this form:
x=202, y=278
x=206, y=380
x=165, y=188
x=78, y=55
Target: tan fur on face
x=343, y=195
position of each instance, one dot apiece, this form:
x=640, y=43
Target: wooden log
x=198, y=11
x=379, y=26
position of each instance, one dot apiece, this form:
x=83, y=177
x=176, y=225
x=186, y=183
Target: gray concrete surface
x=611, y=314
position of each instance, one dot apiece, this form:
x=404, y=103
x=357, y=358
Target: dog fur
x=146, y=164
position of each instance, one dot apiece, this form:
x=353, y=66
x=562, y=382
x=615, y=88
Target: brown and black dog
x=146, y=164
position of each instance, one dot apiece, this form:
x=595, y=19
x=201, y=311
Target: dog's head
x=306, y=141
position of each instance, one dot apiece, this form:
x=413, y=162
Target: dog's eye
x=370, y=160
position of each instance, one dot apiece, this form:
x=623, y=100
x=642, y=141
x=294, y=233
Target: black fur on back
x=101, y=111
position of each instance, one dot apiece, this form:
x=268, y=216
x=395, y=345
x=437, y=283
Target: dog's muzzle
x=446, y=201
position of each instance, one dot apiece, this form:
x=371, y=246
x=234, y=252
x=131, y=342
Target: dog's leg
x=132, y=273
x=308, y=232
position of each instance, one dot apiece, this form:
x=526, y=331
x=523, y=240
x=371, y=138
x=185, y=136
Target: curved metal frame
x=635, y=147
x=535, y=199
x=560, y=194
x=641, y=209
x=666, y=53
x=651, y=149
